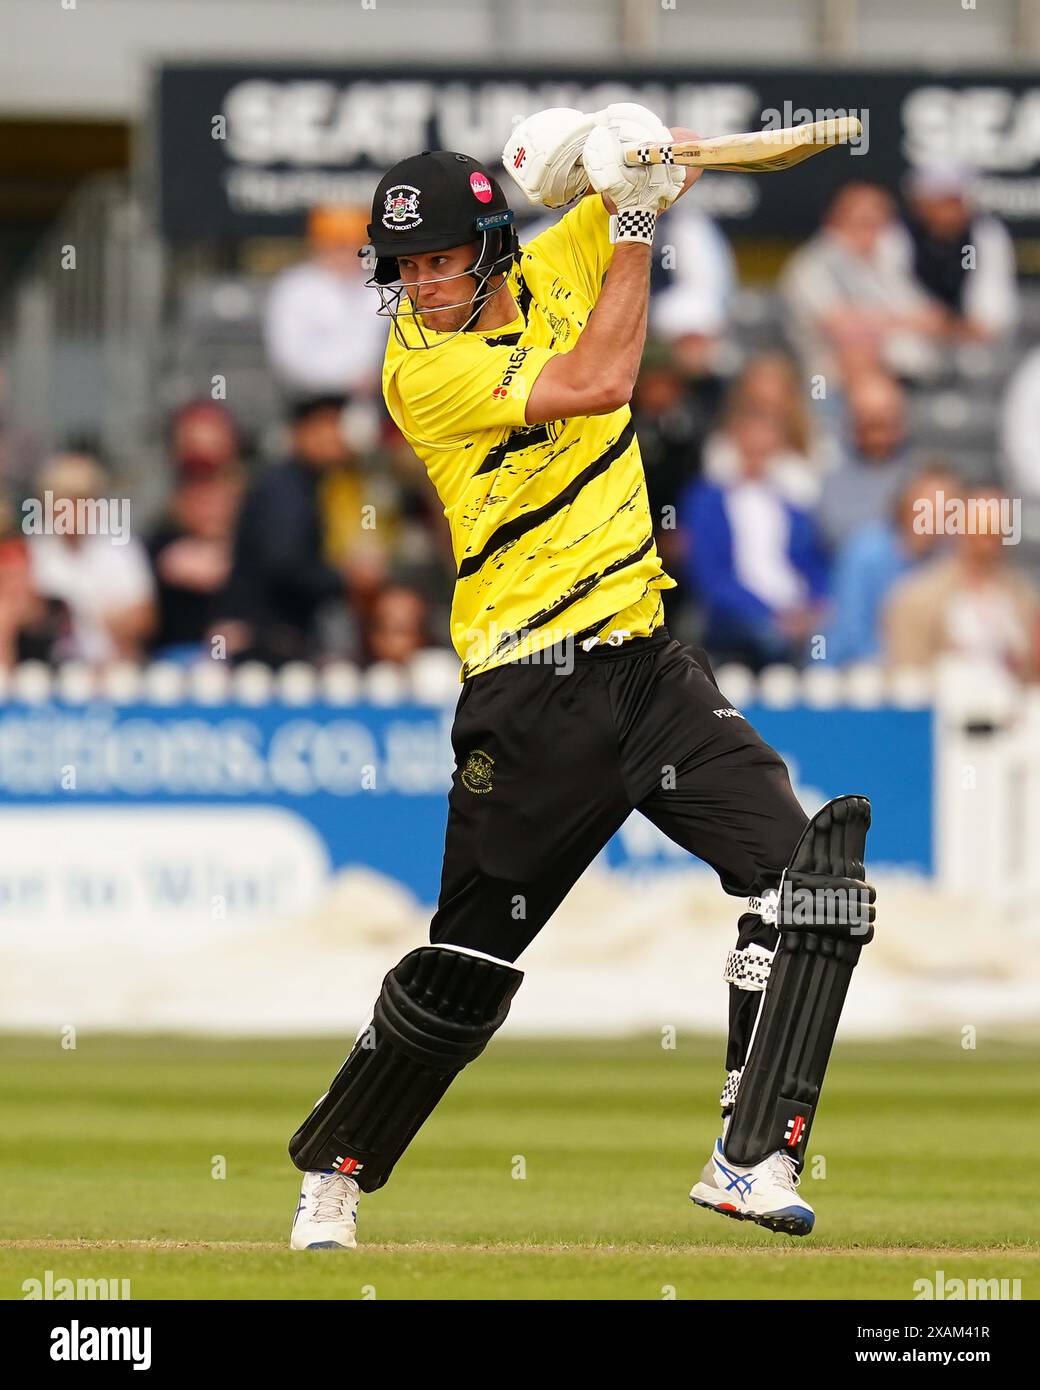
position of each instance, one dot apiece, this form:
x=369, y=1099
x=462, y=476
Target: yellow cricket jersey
x=550, y=523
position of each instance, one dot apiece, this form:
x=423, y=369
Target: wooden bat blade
x=757, y=152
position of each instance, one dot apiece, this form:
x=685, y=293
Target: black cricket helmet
x=432, y=202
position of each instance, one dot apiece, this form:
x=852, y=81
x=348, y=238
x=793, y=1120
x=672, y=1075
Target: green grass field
x=108, y=1152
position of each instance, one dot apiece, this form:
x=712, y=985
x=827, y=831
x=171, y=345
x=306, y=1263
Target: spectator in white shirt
x=853, y=303
x=692, y=283
x=321, y=330
x=95, y=567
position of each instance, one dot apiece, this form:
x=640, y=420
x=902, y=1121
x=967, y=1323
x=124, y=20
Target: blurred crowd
x=792, y=499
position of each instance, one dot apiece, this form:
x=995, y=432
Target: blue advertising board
x=371, y=782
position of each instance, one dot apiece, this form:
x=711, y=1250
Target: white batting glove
x=639, y=194
x=543, y=155
x=635, y=124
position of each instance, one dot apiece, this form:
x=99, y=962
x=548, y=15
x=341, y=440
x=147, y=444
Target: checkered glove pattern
x=634, y=224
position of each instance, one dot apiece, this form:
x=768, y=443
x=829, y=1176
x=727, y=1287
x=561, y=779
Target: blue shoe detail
x=802, y=1215
x=741, y=1181
x=327, y=1245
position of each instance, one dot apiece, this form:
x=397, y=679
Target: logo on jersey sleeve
x=516, y=361
x=401, y=208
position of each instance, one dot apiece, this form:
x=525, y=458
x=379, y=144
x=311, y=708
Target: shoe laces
x=785, y=1170
x=335, y=1197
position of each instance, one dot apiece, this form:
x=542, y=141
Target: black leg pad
x=438, y=1009
x=825, y=916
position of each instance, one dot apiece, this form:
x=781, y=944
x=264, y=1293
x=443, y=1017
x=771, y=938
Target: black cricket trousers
x=549, y=765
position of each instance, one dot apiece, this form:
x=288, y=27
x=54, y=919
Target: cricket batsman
x=510, y=371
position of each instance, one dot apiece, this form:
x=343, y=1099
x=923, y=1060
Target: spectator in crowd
x=852, y=300
x=31, y=627
x=1020, y=426
x=875, y=558
x=971, y=603
x=873, y=467
x=204, y=439
x=692, y=281
x=395, y=626
x=770, y=382
x=321, y=330
x=670, y=427
x=190, y=549
x=93, y=566
x=281, y=576
x=755, y=560
x=422, y=553
x=962, y=258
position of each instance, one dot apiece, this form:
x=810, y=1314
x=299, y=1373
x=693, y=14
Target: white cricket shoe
x=326, y=1217
x=766, y=1193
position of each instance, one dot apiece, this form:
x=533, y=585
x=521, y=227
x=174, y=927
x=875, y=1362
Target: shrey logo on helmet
x=481, y=186
x=401, y=208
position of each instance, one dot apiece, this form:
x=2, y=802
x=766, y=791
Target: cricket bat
x=758, y=152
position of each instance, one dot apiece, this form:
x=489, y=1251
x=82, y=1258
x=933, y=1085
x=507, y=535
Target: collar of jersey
x=510, y=327
x=518, y=289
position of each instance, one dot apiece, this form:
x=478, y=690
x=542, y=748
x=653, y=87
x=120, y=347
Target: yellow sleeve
x=578, y=247
x=467, y=386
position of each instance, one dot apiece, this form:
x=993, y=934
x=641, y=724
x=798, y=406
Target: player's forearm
x=611, y=345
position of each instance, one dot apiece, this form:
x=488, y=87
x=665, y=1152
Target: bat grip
x=636, y=155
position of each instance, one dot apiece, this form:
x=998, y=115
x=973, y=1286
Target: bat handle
x=637, y=154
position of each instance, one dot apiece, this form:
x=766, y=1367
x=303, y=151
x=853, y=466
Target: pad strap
x=729, y=1091
x=748, y=969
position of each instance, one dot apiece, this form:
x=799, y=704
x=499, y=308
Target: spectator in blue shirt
x=874, y=465
x=871, y=561
x=753, y=555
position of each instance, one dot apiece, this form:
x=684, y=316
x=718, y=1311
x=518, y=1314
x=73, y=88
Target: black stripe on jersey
x=524, y=304
x=518, y=525
x=535, y=434
x=585, y=586
x=579, y=591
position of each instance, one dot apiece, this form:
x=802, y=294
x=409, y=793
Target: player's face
x=436, y=281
